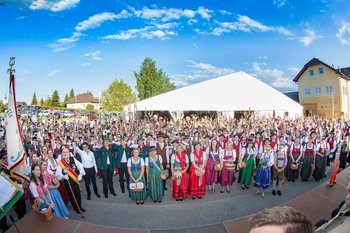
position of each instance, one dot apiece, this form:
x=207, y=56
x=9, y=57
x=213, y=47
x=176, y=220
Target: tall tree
x=41, y=101
x=151, y=81
x=34, y=100
x=117, y=95
x=89, y=93
x=55, y=99
x=71, y=93
x=66, y=98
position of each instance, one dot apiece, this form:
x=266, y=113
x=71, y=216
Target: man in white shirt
x=89, y=164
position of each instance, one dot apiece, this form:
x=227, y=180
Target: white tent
x=227, y=94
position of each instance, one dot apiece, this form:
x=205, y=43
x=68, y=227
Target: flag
x=65, y=167
x=15, y=149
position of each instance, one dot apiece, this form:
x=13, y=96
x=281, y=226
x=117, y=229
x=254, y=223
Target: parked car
x=68, y=114
x=45, y=113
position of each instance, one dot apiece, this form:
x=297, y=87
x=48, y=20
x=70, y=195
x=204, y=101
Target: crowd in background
x=194, y=156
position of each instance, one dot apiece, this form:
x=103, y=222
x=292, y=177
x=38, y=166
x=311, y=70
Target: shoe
x=293, y=180
x=106, y=195
x=89, y=197
x=257, y=192
x=113, y=193
x=228, y=191
x=181, y=199
x=82, y=209
x=142, y=202
x=159, y=201
x=274, y=192
x=98, y=195
x=247, y=187
x=123, y=191
x=193, y=198
x=165, y=189
x=222, y=191
x=213, y=190
x=177, y=199
x=199, y=197
x=262, y=194
x=155, y=201
x=279, y=193
x=242, y=187
x=137, y=203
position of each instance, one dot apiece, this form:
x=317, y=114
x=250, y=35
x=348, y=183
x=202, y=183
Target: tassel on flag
x=15, y=149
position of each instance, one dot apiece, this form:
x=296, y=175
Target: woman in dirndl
x=136, y=169
x=154, y=168
x=228, y=170
x=197, y=172
x=263, y=174
x=214, y=165
x=179, y=166
x=52, y=184
x=321, y=160
x=308, y=160
x=294, y=159
x=39, y=190
x=248, y=157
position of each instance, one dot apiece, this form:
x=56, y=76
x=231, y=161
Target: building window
x=311, y=72
x=329, y=89
x=317, y=90
x=320, y=70
x=307, y=91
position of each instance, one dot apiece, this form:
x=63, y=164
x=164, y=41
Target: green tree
x=55, y=99
x=117, y=95
x=42, y=101
x=66, y=98
x=71, y=93
x=89, y=93
x=1, y=106
x=151, y=81
x=47, y=102
x=90, y=107
x=34, y=100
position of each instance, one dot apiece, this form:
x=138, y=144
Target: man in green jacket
x=106, y=164
x=123, y=153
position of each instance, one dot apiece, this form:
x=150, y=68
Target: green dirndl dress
x=155, y=183
x=247, y=172
x=135, y=171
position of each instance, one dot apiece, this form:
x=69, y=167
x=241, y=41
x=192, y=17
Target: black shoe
x=89, y=197
x=159, y=201
x=165, y=189
x=279, y=193
x=98, y=195
x=199, y=197
x=82, y=209
x=155, y=201
x=193, y=198
x=123, y=191
x=293, y=180
x=289, y=180
x=106, y=195
x=181, y=199
x=247, y=187
x=274, y=192
x=113, y=193
x=177, y=199
x=242, y=187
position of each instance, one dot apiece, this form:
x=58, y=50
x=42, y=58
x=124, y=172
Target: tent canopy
x=235, y=92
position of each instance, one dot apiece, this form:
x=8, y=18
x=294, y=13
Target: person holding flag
x=73, y=171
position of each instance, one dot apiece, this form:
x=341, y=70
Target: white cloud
x=200, y=72
x=246, y=24
x=293, y=70
x=96, y=20
x=310, y=36
x=85, y=64
x=204, y=13
x=223, y=12
x=53, y=73
x=66, y=43
x=343, y=34
x=94, y=55
x=279, y=3
x=273, y=77
x=143, y=33
x=53, y=5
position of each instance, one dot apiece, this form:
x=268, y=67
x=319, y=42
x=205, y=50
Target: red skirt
x=197, y=184
x=63, y=192
x=180, y=187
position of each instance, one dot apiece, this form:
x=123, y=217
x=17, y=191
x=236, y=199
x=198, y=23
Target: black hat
x=149, y=134
x=267, y=139
x=2, y=153
x=221, y=135
x=34, y=139
x=175, y=141
x=160, y=135
x=250, y=141
x=152, y=148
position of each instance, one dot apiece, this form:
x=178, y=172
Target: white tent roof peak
x=234, y=92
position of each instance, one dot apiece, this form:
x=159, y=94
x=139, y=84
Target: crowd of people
x=192, y=157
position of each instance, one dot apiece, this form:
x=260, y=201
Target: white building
x=228, y=95
x=82, y=100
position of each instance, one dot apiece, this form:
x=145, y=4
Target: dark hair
x=293, y=220
x=33, y=177
x=211, y=146
x=85, y=144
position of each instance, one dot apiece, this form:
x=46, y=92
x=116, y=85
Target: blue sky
x=86, y=44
